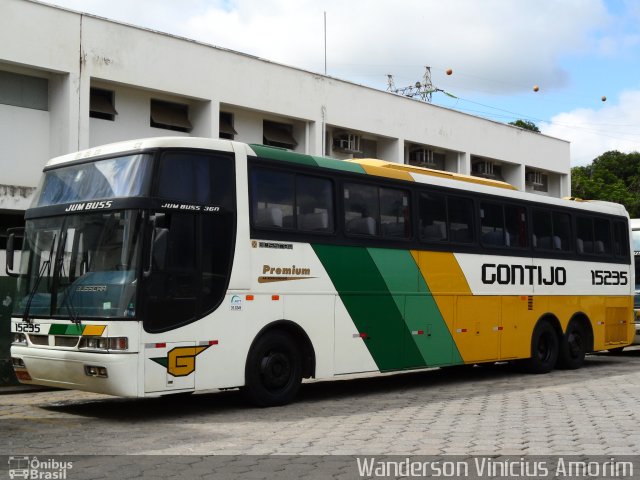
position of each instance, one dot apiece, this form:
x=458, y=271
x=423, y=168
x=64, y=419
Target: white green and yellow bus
x=635, y=239
x=173, y=265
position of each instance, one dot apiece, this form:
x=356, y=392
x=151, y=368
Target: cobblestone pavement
x=461, y=411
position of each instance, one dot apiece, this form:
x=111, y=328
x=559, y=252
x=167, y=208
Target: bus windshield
x=80, y=266
x=126, y=176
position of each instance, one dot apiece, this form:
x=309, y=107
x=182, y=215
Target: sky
x=577, y=52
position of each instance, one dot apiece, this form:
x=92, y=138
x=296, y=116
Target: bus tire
x=273, y=372
x=573, y=347
x=545, y=346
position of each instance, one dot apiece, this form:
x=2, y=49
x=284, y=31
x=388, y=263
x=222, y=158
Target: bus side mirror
x=10, y=255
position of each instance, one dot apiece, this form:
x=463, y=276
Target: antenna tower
x=421, y=89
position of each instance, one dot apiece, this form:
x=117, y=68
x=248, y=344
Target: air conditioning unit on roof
x=347, y=142
x=422, y=157
x=535, y=178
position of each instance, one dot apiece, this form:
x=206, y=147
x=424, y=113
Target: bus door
x=170, y=366
x=478, y=327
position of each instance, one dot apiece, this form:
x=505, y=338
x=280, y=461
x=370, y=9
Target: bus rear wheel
x=574, y=346
x=544, y=349
x=273, y=373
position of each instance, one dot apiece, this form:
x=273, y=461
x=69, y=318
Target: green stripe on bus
x=272, y=153
x=281, y=154
x=339, y=165
x=371, y=306
x=420, y=311
x=61, y=329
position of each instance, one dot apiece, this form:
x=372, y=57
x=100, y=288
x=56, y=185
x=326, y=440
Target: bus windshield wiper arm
x=46, y=266
x=58, y=273
x=68, y=302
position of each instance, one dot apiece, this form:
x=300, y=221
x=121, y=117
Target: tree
x=613, y=176
x=526, y=124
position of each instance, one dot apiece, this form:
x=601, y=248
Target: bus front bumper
x=109, y=373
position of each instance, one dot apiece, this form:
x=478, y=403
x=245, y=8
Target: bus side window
x=394, y=213
x=492, y=226
x=584, y=235
x=515, y=218
x=620, y=239
x=460, y=221
x=314, y=204
x=361, y=209
x=272, y=199
x=562, y=231
x=602, y=235
x=433, y=217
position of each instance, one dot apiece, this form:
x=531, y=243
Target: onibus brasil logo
x=32, y=467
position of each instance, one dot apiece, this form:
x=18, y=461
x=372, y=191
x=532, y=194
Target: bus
x=174, y=265
x=635, y=236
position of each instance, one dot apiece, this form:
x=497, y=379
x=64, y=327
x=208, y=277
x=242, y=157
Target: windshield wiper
x=67, y=300
x=58, y=274
x=46, y=266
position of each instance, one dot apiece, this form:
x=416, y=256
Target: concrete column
x=464, y=163
x=391, y=150
x=69, y=123
x=206, y=119
x=565, y=185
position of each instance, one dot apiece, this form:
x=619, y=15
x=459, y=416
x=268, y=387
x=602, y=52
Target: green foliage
x=613, y=176
x=526, y=124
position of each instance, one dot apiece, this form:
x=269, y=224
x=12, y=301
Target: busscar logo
x=91, y=288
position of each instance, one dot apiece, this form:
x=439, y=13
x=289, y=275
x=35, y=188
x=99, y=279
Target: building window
x=538, y=180
x=24, y=91
x=101, y=104
x=278, y=135
x=170, y=116
x=346, y=142
x=486, y=169
x=424, y=157
x=226, y=129
x=368, y=149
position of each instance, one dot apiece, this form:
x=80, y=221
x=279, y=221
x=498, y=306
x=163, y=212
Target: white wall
x=140, y=64
x=23, y=150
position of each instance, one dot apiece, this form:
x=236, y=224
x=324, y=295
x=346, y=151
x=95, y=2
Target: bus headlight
x=104, y=344
x=19, y=339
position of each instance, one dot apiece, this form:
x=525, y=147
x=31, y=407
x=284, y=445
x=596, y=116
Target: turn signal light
x=95, y=371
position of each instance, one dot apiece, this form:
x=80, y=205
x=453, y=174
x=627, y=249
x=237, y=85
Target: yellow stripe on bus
x=93, y=330
x=379, y=168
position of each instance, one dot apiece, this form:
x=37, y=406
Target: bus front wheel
x=544, y=349
x=273, y=373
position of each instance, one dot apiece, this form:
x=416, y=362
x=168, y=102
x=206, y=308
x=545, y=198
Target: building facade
x=70, y=81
